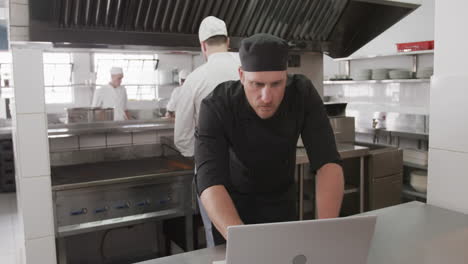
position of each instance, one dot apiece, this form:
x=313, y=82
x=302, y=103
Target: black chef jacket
x=254, y=159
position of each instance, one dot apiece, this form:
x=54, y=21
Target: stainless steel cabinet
x=384, y=192
x=384, y=176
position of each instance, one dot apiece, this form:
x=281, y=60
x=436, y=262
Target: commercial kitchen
x=92, y=170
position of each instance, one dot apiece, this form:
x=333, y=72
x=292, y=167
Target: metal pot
x=79, y=115
x=89, y=114
x=103, y=114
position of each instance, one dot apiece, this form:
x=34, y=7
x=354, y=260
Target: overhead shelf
x=386, y=55
x=379, y=81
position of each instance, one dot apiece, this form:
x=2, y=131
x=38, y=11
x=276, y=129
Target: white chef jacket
x=219, y=68
x=172, y=104
x=109, y=97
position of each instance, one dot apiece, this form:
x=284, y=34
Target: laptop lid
x=327, y=241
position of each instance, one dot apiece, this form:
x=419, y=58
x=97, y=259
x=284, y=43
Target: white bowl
x=419, y=180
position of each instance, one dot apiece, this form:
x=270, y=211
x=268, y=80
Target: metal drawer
x=386, y=191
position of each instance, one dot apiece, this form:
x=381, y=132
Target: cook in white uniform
x=221, y=66
x=175, y=95
x=113, y=95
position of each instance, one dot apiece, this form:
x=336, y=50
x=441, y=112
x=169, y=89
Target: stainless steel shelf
x=413, y=165
x=409, y=191
x=379, y=81
x=386, y=55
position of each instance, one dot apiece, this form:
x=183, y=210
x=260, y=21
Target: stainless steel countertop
x=401, y=133
x=76, y=129
x=108, y=127
x=346, y=151
x=101, y=173
x=111, y=172
x=413, y=233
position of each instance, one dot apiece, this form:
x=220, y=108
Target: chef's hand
x=127, y=115
x=220, y=208
x=329, y=189
x=170, y=114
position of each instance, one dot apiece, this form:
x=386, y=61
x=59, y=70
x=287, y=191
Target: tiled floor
x=8, y=225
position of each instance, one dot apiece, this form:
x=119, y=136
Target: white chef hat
x=211, y=26
x=116, y=70
x=183, y=74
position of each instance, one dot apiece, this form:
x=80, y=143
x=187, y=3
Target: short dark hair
x=217, y=40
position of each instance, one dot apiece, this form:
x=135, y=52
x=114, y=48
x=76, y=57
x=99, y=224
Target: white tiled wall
x=41, y=250
x=448, y=153
x=29, y=99
x=119, y=139
x=449, y=126
x=405, y=98
x=32, y=141
x=92, y=141
x=36, y=242
x=19, y=33
x=36, y=200
x=447, y=182
x=19, y=20
x=148, y=137
x=19, y=14
x=65, y=143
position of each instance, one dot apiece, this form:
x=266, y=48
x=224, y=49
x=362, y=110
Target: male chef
x=245, y=148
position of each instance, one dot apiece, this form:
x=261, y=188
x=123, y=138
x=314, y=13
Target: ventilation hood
x=336, y=27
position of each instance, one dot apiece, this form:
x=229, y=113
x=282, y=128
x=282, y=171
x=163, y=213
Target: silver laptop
x=328, y=241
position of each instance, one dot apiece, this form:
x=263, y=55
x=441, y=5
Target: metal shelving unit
x=413, y=54
x=411, y=193
x=378, y=81
x=386, y=55
x=413, y=165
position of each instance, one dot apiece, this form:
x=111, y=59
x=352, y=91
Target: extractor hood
x=337, y=27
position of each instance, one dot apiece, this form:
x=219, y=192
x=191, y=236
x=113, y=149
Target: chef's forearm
x=329, y=189
x=220, y=208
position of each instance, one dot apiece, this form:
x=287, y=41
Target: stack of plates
x=415, y=156
x=400, y=74
x=425, y=73
x=380, y=74
x=362, y=75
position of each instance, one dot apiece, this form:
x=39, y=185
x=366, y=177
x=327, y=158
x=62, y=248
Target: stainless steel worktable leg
x=300, y=172
x=189, y=232
x=361, y=184
x=62, y=253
